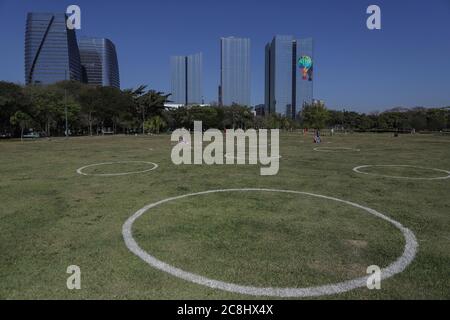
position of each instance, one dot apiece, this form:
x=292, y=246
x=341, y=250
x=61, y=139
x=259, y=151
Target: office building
x=288, y=75
x=234, y=71
x=99, y=62
x=186, y=79
x=51, y=50
x=260, y=110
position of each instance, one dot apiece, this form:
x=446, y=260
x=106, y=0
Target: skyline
x=356, y=69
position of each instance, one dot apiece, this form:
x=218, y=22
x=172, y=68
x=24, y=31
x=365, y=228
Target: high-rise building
x=288, y=75
x=178, y=79
x=194, y=79
x=99, y=62
x=51, y=50
x=234, y=71
x=186, y=79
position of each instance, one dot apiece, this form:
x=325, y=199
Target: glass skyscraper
x=304, y=85
x=99, y=62
x=186, y=79
x=288, y=84
x=234, y=71
x=178, y=79
x=51, y=50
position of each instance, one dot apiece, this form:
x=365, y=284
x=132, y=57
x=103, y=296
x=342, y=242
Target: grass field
x=51, y=217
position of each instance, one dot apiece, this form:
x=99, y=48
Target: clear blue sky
x=407, y=63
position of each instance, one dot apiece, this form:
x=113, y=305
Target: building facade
x=51, y=50
x=186, y=79
x=260, y=110
x=234, y=71
x=99, y=63
x=288, y=75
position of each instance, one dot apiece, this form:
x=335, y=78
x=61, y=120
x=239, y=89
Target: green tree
x=90, y=102
x=315, y=115
x=48, y=106
x=182, y=118
x=209, y=116
x=12, y=99
x=21, y=119
x=149, y=103
x=155, y=124
x=273, y=121
x=436, y=119
x=237, y=116
x=114, y=105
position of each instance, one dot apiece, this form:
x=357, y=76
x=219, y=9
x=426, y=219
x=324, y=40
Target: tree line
x=396, y=119
x=92, y=110
x=89, y=110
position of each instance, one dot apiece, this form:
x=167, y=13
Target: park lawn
x=51, y=217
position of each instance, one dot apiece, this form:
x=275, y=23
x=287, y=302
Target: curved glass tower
x=51, y=50
x=99, y=62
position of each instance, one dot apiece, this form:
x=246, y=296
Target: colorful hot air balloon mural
x=306, y=65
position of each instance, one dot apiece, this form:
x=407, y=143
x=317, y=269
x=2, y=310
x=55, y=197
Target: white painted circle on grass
x=395, y=267
x=227, y=155
x=334, y=149
x=80, y=170
x=358, y=170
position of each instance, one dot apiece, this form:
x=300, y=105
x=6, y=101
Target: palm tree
x=148, y=102
x=155, y=124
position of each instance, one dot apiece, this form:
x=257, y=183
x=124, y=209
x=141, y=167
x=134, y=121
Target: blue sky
x=407, y=63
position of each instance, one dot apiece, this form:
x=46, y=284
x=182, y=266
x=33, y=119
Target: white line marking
x=80, y=170
x=333, y=149
x=397, y=266
x=357, y=170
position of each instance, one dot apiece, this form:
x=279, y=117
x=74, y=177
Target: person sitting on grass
x=317, y=138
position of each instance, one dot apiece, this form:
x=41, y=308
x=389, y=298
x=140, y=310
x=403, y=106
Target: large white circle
x=396, y=267
x=357, y=170
x=80, y=170
x=333, y=149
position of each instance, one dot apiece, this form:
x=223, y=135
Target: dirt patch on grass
x=360, y=244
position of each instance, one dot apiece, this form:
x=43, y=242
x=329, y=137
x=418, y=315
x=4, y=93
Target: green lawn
x=51, y=217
